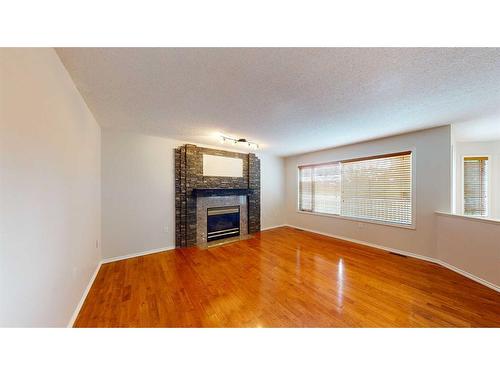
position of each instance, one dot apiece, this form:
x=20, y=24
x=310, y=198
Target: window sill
x=378, y=222
x=471, y=218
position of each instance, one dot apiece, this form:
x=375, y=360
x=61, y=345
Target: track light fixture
x=225, y=140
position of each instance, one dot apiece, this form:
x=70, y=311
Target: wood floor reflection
x=285, y=278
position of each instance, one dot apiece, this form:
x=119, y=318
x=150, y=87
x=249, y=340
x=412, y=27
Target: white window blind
x=305, y=188
x=377, y=188
x=326, y=182
x=476, y=186
x=319, y=188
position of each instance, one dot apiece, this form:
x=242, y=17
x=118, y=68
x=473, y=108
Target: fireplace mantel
x=220, y=192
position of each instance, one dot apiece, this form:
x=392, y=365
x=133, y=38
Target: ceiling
x=290, y=100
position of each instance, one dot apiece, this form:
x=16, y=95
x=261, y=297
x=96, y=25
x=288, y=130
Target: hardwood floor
x=285, y=278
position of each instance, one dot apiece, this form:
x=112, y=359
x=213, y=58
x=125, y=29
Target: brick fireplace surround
x=191, y=185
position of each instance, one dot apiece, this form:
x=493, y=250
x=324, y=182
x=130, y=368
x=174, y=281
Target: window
x=320, y=188
x=376, y=188
x=305, y=176
x=476, y=186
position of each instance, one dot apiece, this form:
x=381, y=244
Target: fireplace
x=220, y=214
x=197, y=189
x=223, y=222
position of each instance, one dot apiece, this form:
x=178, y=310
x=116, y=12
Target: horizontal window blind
x=476, y=186
x=326, y=183
x=377, y=188
x=320, y=188
x=305, y=189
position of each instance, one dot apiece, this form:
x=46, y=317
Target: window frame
x=490, y=191
x=412, y=226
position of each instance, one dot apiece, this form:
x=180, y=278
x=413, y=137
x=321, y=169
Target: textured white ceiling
x=290, y=100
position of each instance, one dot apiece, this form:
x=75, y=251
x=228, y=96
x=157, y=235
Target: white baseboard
x=385, y=248
x=84, y=296
x=108, y=260
x=133, y=255
x=274, y=227
x=469, y=275
x=409, y=254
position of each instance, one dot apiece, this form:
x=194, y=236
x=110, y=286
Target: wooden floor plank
x=285, y=277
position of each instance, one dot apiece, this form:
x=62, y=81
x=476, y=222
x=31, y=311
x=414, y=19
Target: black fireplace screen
x=223, y=222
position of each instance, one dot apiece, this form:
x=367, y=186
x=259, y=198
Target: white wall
x=471, y=245
x=50, y=190
x=491, y=149
x=432, y=153
x=138, y=192
x=272, y=198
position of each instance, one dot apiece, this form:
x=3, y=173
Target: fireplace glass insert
x=223, y=222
